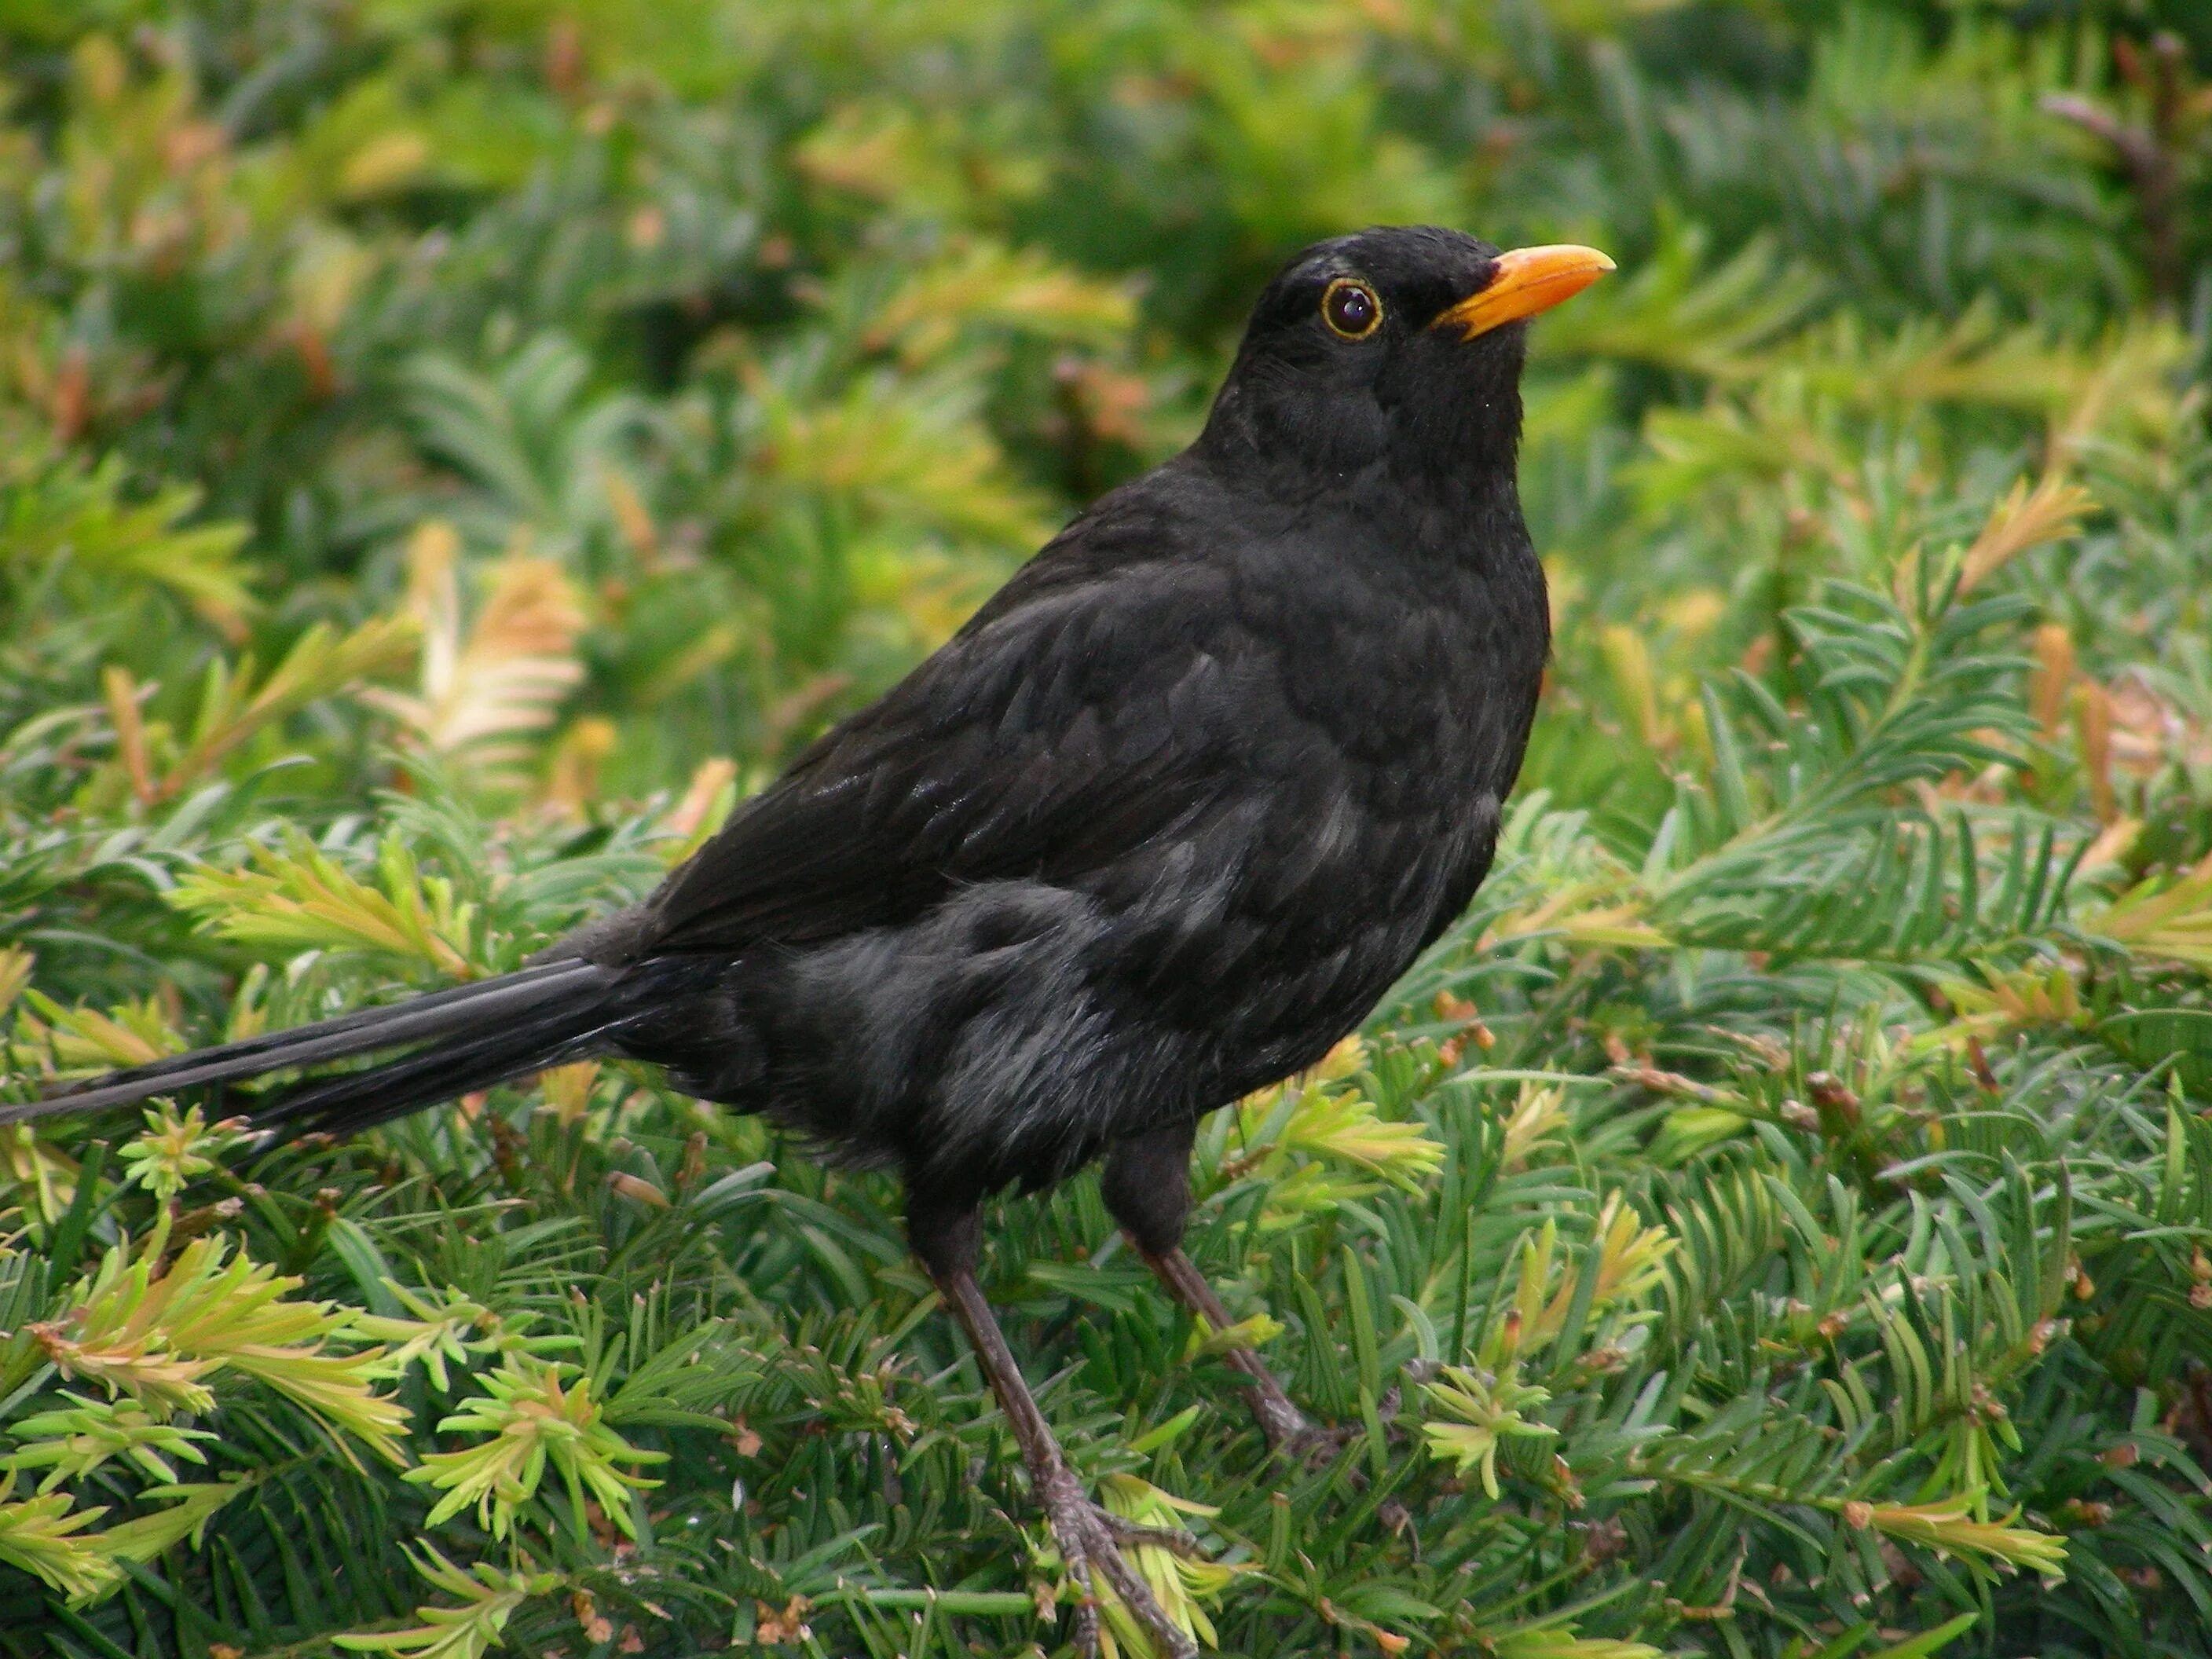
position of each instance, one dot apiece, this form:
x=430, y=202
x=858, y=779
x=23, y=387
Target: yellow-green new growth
x=489, y=1598
x=1538, y=1116
x=173, y=1150
x=2168, y=916
x=534, y=1415
x=439, y=1331
x=1560, y=1642
x=71, y=1444
x=233, y=706
x=44, y=1537
x=161, y=1334
x=1486, y=1412
x=1629, y=1259
x=302, y=899
x=1950, y=1527
x=1320, y=1143
x=87, y=1039
x=1345, y=1125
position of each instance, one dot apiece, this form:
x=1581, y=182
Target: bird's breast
x=1355, y=814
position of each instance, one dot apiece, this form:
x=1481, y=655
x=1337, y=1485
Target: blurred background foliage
x=451, y=450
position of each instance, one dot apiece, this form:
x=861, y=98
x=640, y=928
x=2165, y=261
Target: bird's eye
x=1351, y=309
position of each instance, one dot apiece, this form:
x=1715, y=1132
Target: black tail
x=478, y=1035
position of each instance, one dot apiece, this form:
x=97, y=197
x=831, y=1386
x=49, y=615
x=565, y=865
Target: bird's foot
x=1090, y=1539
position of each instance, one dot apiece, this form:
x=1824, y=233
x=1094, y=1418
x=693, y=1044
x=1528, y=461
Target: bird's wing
x=1089, y=709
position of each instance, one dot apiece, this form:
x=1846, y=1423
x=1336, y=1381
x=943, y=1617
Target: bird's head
x=1400, y=346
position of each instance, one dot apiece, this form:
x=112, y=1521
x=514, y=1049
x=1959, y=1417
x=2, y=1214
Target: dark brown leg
x=1147, y=1189
x=1089, y=1538
x=1285, y=1426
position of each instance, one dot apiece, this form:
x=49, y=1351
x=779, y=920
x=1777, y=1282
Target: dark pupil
x=1352, y=309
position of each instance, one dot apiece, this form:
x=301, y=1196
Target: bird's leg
x=1147, y=1189
x=947, y=1241
x=1286, y=1427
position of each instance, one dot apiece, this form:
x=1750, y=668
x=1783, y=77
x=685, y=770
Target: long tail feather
x=572, y=1030
x=534, y=999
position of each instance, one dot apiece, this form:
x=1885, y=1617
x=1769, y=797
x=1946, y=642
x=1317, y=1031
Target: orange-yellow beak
x=1528, y=280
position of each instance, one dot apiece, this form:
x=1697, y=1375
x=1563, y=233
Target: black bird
x=1159, y=825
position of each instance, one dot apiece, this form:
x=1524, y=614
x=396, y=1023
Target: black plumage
x=1160, y=824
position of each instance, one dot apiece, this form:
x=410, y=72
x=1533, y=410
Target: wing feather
x=1082, y=714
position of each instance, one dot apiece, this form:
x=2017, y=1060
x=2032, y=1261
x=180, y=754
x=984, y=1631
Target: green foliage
x=456, y=448
x=489, y=1598
x=531, y=1415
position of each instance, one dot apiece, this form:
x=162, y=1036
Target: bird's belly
x=1315, y=934
x=1019, y=1028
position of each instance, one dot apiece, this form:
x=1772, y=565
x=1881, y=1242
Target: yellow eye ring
x=1350, y=308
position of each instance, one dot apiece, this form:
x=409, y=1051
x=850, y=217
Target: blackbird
x=1157, y=827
